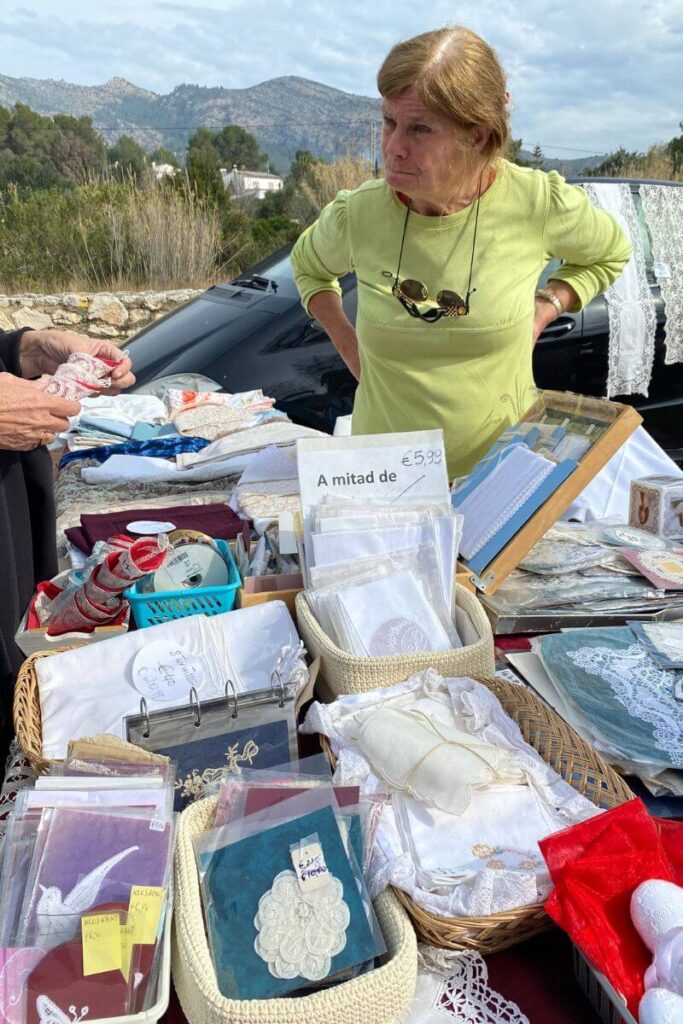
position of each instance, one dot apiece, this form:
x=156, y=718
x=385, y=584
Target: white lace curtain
x=631, y=308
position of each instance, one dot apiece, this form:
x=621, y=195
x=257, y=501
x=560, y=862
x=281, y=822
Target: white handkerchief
x=389, y=616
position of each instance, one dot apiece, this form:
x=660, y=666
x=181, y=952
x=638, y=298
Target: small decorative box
x=657, y=505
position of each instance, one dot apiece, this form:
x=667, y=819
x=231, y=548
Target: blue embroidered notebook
x=267, y=937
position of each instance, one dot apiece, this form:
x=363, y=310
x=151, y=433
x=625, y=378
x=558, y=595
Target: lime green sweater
x=469, y=375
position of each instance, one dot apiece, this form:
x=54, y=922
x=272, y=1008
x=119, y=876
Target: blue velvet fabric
x=160, y=448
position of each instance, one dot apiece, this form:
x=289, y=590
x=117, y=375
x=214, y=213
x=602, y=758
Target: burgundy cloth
x=217, y=521
x=538, y=975
x=595, y=867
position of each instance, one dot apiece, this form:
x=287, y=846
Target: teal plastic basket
x=163, y=606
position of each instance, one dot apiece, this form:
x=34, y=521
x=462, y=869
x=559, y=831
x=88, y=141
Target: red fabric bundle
x=595, y=867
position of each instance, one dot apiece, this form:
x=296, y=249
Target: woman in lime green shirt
x=447, y=250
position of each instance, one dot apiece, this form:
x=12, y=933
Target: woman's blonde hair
x=456, y=74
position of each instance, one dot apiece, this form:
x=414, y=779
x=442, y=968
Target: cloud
x=599, y=74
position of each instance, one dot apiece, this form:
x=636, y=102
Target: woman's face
x=422, y=151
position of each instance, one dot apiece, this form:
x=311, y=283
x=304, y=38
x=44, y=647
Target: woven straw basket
x=27, y=721
x=378, y=997
x=572, y=758
x=347, y=673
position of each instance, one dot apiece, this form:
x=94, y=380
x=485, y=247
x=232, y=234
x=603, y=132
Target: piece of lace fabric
x=630, y=306
x=18, y=775
x=455, y=986
x=663, y=208
x=297, y=933
x=644, y=689
x=476, y=709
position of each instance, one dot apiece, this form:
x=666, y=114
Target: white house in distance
x=251, y=184
x=163, y=170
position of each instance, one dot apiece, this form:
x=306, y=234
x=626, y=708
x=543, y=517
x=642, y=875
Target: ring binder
x=144, y=711
x=230, y=685
x=194, y=702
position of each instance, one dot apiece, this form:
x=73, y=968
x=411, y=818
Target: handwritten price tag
x=127, y=934
x=101, y=937
x=310, y=867
x=144, y=911
x=423, y=457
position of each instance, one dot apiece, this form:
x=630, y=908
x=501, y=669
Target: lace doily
x=18, y=775
x=455, y=986
x=642, y=688
x=663, y=207
x=299, y=934
x=630, y=306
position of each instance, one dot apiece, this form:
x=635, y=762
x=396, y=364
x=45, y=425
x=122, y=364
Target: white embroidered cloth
x=631, y=308
x=503, y=885
x=455, y=986
x=663, y=207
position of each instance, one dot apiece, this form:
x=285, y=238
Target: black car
x=254, y=333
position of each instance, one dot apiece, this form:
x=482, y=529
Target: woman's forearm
x=326, y=307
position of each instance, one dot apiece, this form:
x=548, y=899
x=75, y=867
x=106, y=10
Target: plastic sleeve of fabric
x=595, y=248
x=323, y=252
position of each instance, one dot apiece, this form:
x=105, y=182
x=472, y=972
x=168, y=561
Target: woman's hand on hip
x=29, y=417
x=41, y=352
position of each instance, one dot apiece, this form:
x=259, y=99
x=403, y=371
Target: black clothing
x=28, y=552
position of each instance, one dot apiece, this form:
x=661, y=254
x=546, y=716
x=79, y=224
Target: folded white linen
x=146, y=469
x=125, y=409
x=247, y=441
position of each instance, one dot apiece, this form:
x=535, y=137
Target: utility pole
x=373, y=148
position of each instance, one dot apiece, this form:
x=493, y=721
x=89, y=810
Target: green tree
x=675, y=150
x=301, y=164
x=537, y=158
x=513, y=153
x=614, y=163
x=203, y=173
x=127, y=158
x=234, y=146
x=162, y=155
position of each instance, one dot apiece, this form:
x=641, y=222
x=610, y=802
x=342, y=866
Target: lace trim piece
x=18, y=775
x=463, y=996
x=299, y=934
x=663, y=207
x=630, y=306
x=642, y=688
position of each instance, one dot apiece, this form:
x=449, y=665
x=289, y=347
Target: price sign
x=101, y=937
x=166, y=672
x=144, y=911
x=423, y=457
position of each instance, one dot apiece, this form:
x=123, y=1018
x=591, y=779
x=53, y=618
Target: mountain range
x=285, y=114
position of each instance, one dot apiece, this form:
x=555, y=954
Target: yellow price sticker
x=127, y=943
x=101, y=937
x=144, y=910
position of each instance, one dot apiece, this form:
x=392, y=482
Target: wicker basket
x=378, y=997
x=27, y=721
x=572, y=758
x=347, y=673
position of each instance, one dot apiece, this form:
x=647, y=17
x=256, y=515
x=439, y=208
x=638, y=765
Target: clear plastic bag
x=388, y=604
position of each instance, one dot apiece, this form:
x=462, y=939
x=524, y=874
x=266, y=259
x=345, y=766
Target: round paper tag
x=149, y=527
x=166, y=672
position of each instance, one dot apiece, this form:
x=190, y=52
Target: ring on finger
x=46, y=439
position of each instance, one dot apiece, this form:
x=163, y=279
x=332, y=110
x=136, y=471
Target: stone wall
x=115, y=315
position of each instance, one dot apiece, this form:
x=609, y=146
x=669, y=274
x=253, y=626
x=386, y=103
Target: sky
x=584, y=77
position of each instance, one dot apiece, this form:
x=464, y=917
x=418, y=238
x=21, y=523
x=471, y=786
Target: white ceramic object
x=659, y=1006
x=656, y=908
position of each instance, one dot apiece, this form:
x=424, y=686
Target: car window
x=645, y=239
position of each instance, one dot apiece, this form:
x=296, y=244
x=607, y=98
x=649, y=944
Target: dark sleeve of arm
x=9, y=350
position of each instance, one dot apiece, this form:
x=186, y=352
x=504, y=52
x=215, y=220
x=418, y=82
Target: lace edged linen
x=630, y=306
x=478, y=711
x=454, y=986
x=663, y=207
x=644, y=689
